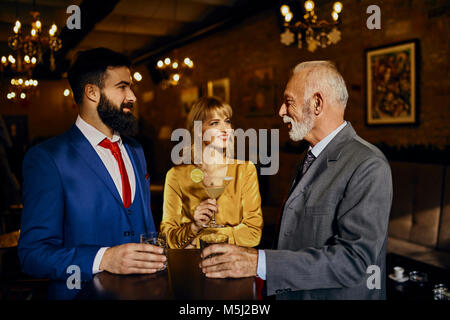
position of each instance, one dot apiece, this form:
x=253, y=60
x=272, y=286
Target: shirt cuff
x=261, y=270
x=98, y=259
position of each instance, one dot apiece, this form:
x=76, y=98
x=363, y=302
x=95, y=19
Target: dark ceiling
x=141, y=29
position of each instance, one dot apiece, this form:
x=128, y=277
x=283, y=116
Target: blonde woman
x=187, y=207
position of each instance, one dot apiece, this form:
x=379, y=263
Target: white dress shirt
x=94, y=137
x=316, y=150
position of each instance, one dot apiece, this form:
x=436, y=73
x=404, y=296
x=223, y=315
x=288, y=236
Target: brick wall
x=254, y=43
x=48, y=111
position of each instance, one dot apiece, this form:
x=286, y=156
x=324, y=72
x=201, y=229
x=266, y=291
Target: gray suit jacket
x=334, y=225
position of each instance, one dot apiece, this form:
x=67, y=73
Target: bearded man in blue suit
x=86, y=193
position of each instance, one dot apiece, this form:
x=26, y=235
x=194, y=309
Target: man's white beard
x=299, y=130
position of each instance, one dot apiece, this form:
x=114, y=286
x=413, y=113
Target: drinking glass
x=212, y=238
x=156, y=239
x=215, y=186
x=419, y=278
x=440, y=292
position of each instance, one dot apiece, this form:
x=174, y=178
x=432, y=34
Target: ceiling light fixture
x=300, y=25
x=137, y=76
x=28, y=48
x=173, y=70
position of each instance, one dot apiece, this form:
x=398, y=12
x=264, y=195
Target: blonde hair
x=204, y=108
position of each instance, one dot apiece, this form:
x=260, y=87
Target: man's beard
x=299, y=130
x=116, y=119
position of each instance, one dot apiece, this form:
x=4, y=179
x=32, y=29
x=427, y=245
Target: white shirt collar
x=318, y=148
x=93, y=135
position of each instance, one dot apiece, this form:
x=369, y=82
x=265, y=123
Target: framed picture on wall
x=188, y=96
x=17, y=126
x=220, y=88
x=258, y=96
x=391, y=84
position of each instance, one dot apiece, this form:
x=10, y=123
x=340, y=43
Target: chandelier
x=301, y=24
x=172, y=70
x=20, y=88
x=28, y=49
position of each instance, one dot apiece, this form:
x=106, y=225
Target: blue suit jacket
x=71, y=207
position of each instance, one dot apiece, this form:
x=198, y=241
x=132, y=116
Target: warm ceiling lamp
x=28, y=48
x=173, y=70
x=137, y=76
x=300, y=24
x=21, y=88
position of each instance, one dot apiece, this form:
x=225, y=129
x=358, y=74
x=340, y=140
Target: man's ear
x=92, y=92
x=317, y=103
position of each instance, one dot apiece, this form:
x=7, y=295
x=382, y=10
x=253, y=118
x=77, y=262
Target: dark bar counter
x=181, y=280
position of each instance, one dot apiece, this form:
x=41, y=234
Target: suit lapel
x=86, y=152
x=329, y=154
x=298, y=167
x=139, y=176
x=315, y=170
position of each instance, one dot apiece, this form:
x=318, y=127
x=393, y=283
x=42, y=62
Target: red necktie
x=115, y=150
x=259, y=288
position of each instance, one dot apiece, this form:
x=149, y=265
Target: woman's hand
x=203, y=214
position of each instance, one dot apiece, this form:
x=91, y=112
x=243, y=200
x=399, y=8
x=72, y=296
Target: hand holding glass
x=156, y=239
x=215, y=186
x=212, y=238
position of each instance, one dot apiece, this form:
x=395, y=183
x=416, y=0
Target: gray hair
x=324, y=76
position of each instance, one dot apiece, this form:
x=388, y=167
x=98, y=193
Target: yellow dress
x=239, y=206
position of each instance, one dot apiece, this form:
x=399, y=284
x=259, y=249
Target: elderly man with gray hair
x=332, y=235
